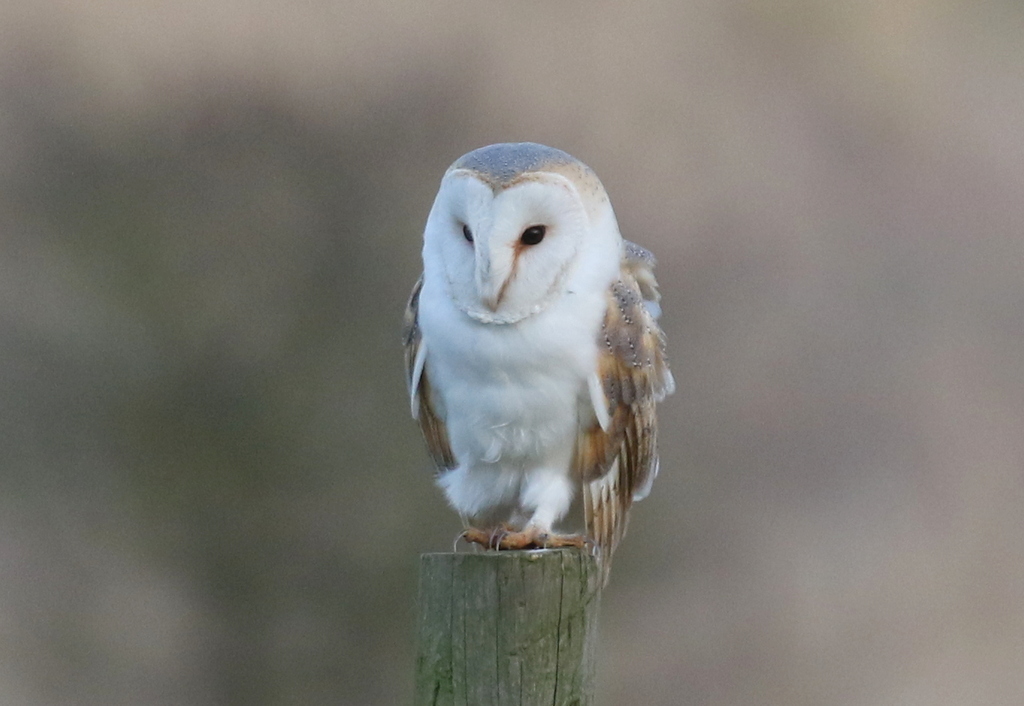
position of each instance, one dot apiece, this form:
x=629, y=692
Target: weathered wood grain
x=507, y=628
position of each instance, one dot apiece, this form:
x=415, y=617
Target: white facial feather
x=533, y=361
x=497, y=277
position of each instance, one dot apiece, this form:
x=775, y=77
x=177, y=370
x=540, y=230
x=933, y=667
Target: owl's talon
x=472, y=535
x=498, y=534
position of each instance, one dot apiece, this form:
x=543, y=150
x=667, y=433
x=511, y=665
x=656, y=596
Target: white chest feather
x=511, y=394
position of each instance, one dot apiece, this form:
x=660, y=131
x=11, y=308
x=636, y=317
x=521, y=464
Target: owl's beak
x=491, y=303
x=492, y=275
x=491, y=292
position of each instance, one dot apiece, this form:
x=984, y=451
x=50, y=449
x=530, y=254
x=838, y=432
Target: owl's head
x=512, y=225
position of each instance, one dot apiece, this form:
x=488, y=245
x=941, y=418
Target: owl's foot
x=488, y=539
x=533, y=538
x=562, y=541
x=505, y=537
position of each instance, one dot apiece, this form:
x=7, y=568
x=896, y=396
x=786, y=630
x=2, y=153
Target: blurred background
x=210, y=220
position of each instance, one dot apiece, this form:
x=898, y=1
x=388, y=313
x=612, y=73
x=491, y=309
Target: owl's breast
x=511, y=394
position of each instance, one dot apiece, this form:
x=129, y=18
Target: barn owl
x=533, y=355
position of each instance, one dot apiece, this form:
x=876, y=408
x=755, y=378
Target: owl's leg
x=546, y=496
x=477, y=494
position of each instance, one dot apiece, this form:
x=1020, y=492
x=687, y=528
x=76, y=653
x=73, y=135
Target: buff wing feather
x=616, y=455
x=434, y=431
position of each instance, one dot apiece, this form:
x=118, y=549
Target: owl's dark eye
x=467, y=233
x=533, y=235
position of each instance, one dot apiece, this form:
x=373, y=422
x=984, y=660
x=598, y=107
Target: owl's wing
x=616, y=456
x=434, y=430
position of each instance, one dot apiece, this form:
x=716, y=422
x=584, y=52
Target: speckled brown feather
x=434, y=430
x=617, y=464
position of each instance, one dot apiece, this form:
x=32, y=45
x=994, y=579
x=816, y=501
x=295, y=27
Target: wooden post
x=507, y=628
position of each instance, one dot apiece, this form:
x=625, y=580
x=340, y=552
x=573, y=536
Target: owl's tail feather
x=606, y=506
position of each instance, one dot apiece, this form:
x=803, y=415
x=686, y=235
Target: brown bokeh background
x=210, y=214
